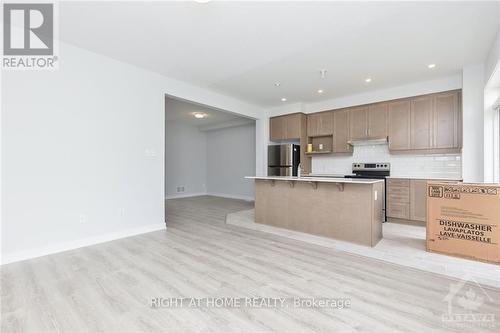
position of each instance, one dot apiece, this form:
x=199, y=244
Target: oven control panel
x=379, y=166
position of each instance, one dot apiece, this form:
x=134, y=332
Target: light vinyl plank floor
x=109, y=287
x=402, y=244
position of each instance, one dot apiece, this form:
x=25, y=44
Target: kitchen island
x=340, y=208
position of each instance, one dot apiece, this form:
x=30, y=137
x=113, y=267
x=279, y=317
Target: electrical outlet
x=83, y=218
x=122, y=212
x=150, y=152
x=180, y=189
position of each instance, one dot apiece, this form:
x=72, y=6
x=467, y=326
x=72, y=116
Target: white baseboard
x=185, y=195
x=232, y=196
x=66, y=246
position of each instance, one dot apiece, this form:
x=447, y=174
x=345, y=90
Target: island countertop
x=318, y=179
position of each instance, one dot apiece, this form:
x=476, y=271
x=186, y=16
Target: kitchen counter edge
x=317, y=179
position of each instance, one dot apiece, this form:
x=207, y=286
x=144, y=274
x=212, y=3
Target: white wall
x=473, y=123
x=373, y=96
x=231, y=157
x=491, y=122
x=83, y=152
x=491, y=63
x=432, y=166
x=407, y=90
x=185, y=159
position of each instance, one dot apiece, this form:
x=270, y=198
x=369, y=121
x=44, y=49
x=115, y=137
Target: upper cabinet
x=358, y=122
x=291, y=127
x=447, y=121
x=399, y=125
x=287, y=127
x=368, y=122
x=277, y=128
x=320, y=124
x=341, y=131
x=377, y=120
x=421, y=122
x=429, y=123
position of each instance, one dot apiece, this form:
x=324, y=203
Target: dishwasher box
x=463, y=219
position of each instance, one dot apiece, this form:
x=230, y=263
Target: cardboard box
x=463, y=219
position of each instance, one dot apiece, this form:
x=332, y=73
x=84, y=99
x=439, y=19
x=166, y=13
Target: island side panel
x=325, y=211
x=271, y=203
x=378, y=212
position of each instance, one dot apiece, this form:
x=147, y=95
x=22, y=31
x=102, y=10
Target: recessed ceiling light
x=283, y=99
x=431, y=65
x=277, y=84
x=368, y=80
x=199, y=115
x=320, y=91
x=202, y=1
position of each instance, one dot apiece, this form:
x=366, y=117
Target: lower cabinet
x=418, y=199
x=406, y=199
x=398, y=210
x=398, y=198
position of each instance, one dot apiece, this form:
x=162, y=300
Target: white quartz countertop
x=318, y=179
x=433, y=178
x=331, y=175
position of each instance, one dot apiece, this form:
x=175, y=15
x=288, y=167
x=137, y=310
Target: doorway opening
x=208, y=152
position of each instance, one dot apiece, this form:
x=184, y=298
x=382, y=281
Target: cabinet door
x=319, y=124
x=398, y=210
x=341, y=131
x=377, y=120
x=293, y=126
x=418, y=199
x=421, y=122
x=277, y=128
x=313, y=124
x=399, y=125
x=446, y=118
x=358, y=122
x=326, y=123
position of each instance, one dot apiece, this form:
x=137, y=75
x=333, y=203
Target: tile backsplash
x=402, y=165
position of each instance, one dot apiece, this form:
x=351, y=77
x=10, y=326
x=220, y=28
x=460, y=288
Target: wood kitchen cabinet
x=291, y=127
x=433, y=123
x=287, y=127
x=407, y=199
x=398, y=198
x=368, y=122
x=277, y=128
x=421, y=122
x=418, y=199
x=399, y=124
x=377, y=121
x=447, y=121
x=358, y=122
x=320, y=124
x=341, y=131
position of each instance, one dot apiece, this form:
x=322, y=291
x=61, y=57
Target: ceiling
x=177, y=110
x=242, y=48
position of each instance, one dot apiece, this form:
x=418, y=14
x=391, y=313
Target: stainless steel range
x=379, y=170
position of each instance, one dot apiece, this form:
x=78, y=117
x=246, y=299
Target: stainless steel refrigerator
x=283, y=160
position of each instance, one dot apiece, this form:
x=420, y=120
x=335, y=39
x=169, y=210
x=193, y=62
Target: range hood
x=368, y=142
